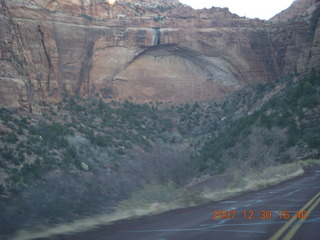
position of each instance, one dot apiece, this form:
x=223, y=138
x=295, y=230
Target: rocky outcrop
x=296, y=37
x=156, y=50
x=299, y=8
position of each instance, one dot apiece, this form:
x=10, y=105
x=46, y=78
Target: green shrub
x=31, y=171
x=312, y=140
x=7, y=153
x=308, y=101
x=284, y=158
x=120, y=151
x=268, y=141
x=71, y=152
x=265, y=121
x=11, y=138
x=152, y=193
x=90, y=18
x=100, y=140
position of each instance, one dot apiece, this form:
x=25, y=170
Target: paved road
x=248, y=217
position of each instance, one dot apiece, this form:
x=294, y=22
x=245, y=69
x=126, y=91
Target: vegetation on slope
x=81, y=157
x=84, y=156
x=286, y=128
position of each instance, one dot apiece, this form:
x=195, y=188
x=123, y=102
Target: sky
x=263, y=9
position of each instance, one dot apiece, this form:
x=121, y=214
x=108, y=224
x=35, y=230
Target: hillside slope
x=79, y=151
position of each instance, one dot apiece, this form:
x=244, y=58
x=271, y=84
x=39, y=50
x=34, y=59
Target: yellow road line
x=291, y=233
x=288, y=224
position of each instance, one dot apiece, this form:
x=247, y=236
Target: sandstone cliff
x=145, y=50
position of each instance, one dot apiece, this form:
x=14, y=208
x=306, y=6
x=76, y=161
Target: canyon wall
x=158, y=50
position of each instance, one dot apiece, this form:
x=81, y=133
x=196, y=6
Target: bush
x=30, y=171
x=90, y=18
x=71, y=152
x=284, y=158
x=11, y=138
x=152, y=193
x=100, y=140
x=265, y=121
x=312, y=140
x=7, y=153
x=308, y=101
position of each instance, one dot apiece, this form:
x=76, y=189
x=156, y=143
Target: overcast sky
x=263, y=9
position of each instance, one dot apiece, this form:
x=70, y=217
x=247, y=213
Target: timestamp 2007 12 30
x=267, y=214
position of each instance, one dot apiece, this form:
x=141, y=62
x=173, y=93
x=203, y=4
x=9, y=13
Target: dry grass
x=144, y=202
x=83, y=225
x=251, y=182
x=255, y=181
x=310, y=162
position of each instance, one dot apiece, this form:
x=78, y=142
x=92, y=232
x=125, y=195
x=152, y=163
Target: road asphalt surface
x=290, y=210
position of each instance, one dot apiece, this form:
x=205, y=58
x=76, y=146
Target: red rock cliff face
x=144, y=50
x=295, y=35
